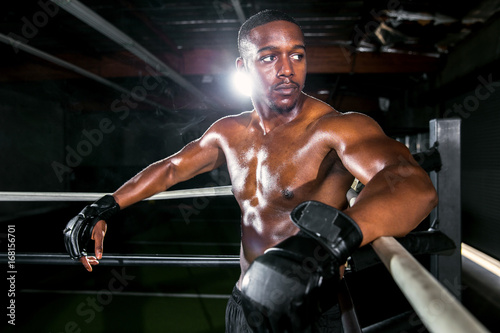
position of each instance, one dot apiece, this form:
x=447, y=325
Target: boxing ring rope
x=435, y=306
x=91, y=196
x=130, y=260
x=122, y=260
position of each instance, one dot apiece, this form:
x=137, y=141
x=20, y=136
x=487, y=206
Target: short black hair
x=261, y=18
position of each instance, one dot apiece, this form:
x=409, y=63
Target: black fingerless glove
x=288, y=287
x=78, y=231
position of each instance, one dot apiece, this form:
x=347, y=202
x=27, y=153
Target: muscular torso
x=272, y=173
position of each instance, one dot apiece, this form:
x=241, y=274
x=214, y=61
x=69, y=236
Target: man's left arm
x=398, y=193
x=397, y=196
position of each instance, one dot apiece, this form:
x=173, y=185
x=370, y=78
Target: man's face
x=275, y=59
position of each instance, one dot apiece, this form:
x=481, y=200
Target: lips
x=286, y=88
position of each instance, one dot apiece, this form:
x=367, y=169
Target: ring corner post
x=446, y=133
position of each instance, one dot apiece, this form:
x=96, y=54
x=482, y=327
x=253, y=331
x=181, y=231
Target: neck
x=269, y=118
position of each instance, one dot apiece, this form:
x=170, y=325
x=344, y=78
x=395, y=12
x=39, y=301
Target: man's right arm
x=199, y=156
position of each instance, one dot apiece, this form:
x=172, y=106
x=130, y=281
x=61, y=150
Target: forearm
x=393, y=202
x=156, y=178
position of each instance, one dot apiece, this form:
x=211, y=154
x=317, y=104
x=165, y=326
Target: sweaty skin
x=292, y=148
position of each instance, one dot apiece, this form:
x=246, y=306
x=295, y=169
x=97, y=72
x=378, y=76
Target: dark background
x=401, y=62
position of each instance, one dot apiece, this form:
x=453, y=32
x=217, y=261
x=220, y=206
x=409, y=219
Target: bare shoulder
x=349, y=124
x=231, y=123
x=345, y=131
x=327, y=117
x=225, y=128
x=349, y=119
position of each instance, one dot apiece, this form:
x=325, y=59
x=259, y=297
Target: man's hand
x=291, y=284
x=98, y=237
x=89, y=224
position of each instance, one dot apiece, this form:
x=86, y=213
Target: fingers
x=341, y=271
x=98, y=237
x=88, y=262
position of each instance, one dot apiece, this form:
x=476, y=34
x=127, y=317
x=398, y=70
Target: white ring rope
x=435, y=306
x=88, y=196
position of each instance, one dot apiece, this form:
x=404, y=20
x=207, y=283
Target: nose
x=286, y=68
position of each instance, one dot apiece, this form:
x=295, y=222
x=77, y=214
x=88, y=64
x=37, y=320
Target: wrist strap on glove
x=337, y=232
x=78, y=231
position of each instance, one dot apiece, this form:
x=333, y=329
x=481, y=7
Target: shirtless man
x=289, y=149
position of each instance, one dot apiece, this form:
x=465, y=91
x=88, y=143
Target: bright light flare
x=241, y=83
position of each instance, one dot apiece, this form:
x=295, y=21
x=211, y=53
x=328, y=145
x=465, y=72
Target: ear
x=240, y=64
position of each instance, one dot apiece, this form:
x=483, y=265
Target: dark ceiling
x=427, y=27
x=385, y=44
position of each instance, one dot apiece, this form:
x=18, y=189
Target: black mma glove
x=78, y=231
x=288, y=287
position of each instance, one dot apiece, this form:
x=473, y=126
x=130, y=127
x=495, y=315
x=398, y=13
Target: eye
x=268, y=58
x=297, y=56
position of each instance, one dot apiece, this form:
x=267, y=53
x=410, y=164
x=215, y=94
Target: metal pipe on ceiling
x=239, y=11
x=95, y=21
x=62, y=63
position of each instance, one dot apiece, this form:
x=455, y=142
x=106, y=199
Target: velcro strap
x=332, y=228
